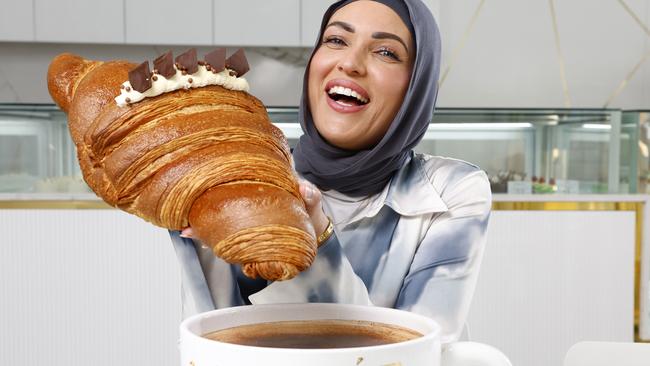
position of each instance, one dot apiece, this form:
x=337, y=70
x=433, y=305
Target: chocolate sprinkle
x=154, y=78
x=188, y=61
x=121, y=86
x=164, y=65
x=189, y=80
x=140, y=78
x=127, y=89
x=237, y=62
x=216, y=59
x=127, y=99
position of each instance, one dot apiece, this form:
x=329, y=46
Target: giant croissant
x=204, y=157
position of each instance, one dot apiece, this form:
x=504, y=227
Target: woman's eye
x=388, y=53
x=334, y=41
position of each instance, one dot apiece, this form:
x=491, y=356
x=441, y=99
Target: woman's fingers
x=312, y=197
x=187, y=233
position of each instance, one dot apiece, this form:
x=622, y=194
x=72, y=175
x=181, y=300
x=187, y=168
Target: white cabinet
x=257, y=23
x=312, y=14
x=169, y=22
x=87, y=21
x=16, y=20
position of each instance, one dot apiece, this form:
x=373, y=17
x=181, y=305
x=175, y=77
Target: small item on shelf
x=542, y=187
x=499, y=182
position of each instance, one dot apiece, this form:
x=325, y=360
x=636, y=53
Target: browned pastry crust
x=206, y=157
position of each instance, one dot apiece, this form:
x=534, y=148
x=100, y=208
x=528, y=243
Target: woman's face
x=359, y=75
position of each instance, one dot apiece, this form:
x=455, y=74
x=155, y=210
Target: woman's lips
x=347, y=84
x=342, y=106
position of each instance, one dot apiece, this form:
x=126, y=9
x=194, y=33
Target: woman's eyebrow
x=384, y=35
x=346, y=26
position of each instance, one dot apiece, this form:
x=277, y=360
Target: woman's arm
x=441, y=279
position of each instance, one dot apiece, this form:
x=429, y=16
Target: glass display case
x=534, y=150
x=525, y=150
x=36, y=152
x=522, y=150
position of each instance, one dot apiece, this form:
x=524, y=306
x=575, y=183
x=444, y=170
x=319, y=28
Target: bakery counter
x=558, y=269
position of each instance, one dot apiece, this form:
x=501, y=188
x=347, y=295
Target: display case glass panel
x=635, y=141
x=521, y=150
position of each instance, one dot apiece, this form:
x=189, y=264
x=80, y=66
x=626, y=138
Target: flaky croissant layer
x=207, y=158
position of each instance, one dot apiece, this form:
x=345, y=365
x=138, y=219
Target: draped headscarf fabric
x=365, y=172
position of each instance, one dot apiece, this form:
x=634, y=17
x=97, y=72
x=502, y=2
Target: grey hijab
x=366, y=172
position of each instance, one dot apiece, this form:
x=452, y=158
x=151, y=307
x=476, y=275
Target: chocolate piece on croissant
x=206, y=157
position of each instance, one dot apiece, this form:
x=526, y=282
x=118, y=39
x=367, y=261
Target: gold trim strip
x=54, y=204
x=637, y=207
x=565, y=206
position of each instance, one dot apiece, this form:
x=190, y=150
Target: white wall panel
x=550, y=279
x=86, y=287
x=510, y=59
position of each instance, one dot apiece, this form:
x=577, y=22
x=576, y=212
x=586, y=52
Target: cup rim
x=187, y=326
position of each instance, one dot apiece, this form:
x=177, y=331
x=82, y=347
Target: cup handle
x=472, y=354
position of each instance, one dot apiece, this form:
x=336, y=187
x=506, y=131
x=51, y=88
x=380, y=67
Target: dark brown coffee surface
x=314, y=334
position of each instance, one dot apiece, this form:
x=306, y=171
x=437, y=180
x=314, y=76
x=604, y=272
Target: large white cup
x=423, y=351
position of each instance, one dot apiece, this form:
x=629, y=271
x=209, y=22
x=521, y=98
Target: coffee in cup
x=314, y=334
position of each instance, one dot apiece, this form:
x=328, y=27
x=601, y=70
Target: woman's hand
x=312, y=197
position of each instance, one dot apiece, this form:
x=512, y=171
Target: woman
x=408, y=229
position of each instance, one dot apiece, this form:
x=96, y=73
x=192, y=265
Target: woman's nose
x=352, y=63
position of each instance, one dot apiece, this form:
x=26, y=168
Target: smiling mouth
x=346, y=96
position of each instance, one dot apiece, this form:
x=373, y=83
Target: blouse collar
x=409, y=193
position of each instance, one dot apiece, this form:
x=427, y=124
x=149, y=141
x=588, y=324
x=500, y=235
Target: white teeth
x=347, y=92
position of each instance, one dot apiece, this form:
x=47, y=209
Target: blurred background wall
x=496, y=53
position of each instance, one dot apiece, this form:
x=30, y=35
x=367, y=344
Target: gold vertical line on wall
x=565, y=84
x=630, y=75
x=461, y=44
x=637, y=271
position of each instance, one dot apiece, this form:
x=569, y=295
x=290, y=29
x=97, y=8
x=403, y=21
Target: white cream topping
x=200, y=78
x=347, y=92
